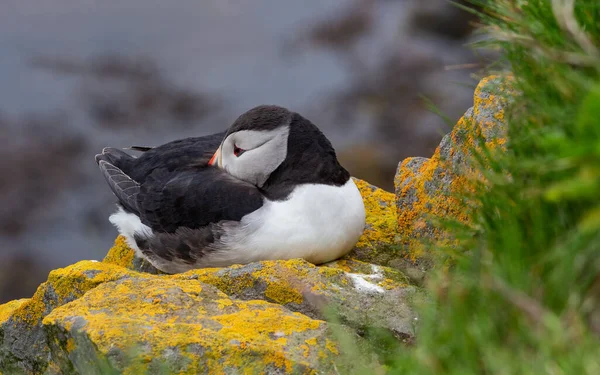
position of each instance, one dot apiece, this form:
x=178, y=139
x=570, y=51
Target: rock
x=182, y=326
x=361, y=294
x=23, y=344
x=122, y=255
x=269, y=317
x=380, y=243
x=426, y=188
x=377, y=243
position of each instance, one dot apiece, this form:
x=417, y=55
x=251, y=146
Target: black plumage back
x=310, y=159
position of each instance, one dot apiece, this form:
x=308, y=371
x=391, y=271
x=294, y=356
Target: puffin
x=270, y=187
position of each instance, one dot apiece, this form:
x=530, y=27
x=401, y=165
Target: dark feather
x=187, y=245
x=140, y=148
x=121, y=185
x=176, y=155
x=114, y=156
x=310, y=159
x=194, y=198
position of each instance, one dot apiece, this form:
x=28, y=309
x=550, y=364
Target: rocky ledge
x=123, y=316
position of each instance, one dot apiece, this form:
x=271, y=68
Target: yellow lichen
x=351, y=266
x=284, y=280
x=32, y=310
x=279, y=289
x=83, y=276
x=67, y=284
x=7, y=309
x=70, y=344
x=305, y=350
x=224, y=302
x=389, y=284
x=225, y=282
x=332, y=346
x=343, y=264
x=120, y=254
x=380, y=207
x=119, y=316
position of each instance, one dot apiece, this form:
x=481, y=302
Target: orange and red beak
x=216, y=158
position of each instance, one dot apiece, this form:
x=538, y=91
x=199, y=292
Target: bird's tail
x=116, y=157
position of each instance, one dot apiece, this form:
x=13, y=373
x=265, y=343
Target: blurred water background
x=78, y=75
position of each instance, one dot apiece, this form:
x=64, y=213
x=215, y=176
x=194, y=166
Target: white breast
x=319, y=223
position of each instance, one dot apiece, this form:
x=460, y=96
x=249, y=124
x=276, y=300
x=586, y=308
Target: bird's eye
x=237, y=151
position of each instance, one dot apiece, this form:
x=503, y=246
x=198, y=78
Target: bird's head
x=268, y=144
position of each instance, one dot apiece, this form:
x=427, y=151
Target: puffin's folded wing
x=195, y=198
x=121, y=185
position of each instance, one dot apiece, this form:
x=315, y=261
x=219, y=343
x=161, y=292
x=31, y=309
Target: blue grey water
x=226, y=46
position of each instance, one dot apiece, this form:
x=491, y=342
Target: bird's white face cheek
x=263, y=152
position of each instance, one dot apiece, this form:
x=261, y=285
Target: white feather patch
x=128, y=225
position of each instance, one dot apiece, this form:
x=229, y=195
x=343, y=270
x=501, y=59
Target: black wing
x=116, y=157
x=125, y=189
x=194, y=198
x=175, y=155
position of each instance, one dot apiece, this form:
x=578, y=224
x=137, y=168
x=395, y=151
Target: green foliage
x=522, y=295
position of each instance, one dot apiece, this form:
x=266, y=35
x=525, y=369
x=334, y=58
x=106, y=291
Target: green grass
x=522, y=294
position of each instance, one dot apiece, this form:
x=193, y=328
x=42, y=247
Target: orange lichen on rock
x=432, y=190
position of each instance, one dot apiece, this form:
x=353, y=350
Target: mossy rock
x=23, y=344
x=163, y=325
x=360, y=294
x=377, y=244
x=348, y=284
x=95, y=317
x=428, y=189
x=121, y=254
